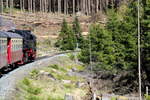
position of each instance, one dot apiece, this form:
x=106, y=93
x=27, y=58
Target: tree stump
x=69, y=97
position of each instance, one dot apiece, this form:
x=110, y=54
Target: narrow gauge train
x=17, y=47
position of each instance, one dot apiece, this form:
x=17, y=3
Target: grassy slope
x=39, y=85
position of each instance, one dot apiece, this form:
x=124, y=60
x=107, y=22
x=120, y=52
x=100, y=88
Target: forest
x=87, y=7
x=113, y=47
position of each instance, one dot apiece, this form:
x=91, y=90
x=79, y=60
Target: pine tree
x=145, y=37
x=102, y=49
x=124, y=35
x=115, y=46
x=66, y=39
x=77, y=31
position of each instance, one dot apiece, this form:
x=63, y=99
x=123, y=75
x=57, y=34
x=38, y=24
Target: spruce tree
x=145, y=37
x=66, y=39
x=115, y=46
x=77, y=31
x=102, y=48
x=124, y=35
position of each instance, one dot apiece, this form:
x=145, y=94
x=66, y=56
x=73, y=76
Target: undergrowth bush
x=54, y=66
x=34, y=90
x=34, y=73
x=32, y=97
x=57, y=98
x=26, y=82
x=147, y=97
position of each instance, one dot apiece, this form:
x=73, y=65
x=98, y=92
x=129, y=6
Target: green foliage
x=70, y=36
x=113, y=98
x=77, y=31
x=34, y=73
x=72, y=56
x=115, y=46
x=66, y=39
x=145, y=36
x=34, y=90
x=54, y=66
x=32, y=97
x=26, y=82
x=30, y=88
x=48, y=42
x=102, y=47
x=59, y=68
x=125, y=39
x=147, y=97
x=57, y=98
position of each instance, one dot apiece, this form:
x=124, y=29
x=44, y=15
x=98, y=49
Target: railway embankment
x=9, y=81
x=53, y=78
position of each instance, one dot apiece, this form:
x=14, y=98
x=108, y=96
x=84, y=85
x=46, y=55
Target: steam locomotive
x=17, y=47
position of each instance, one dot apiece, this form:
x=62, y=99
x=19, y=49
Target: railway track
x=9, y=80
x=5, y=71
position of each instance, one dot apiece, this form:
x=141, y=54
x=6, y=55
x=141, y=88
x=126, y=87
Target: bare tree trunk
x=97, y=5
x=11, y=6
x=59, y=6
x=78, y=5
x=7, y=3
x=44, y=4
x=54, y=1
x=112, y=4
x=89, y=7
x=47, y=6
x=50, y=7
x=34, y=6
x=31, y=6
x=100, y=5
x=73, y=7
x=82, y=8
x=65, y=6
x=2, y=6
x=21, y=5
x=86, y=7
x=40, y=5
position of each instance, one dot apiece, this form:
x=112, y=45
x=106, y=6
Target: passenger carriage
x=11, y=48
x=3, y=49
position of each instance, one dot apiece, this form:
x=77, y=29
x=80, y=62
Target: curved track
x=9, y=80
x=5, y=71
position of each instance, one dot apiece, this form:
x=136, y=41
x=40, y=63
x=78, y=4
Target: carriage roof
x=9, y=35
x=2, y=35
